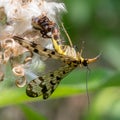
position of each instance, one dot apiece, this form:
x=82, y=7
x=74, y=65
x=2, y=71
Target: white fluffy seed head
x=20, y=12
x=17, y=21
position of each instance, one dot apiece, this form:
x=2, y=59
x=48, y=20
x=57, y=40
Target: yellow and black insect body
x=43, y=24
x=38, y=49
x=49, y=29
x=46, y=84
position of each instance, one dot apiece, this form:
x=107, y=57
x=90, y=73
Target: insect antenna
x=87, y=90
x=82, y=48
x=70, y=41
x=87, y=75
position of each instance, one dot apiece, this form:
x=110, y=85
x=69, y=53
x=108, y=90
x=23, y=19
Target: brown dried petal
x=1, y=57
x=6, y=55
x=3, y=17
x=21, y=82
x=27, y=59
x=1, y=76
x=18, y=50
x=8, y=43
x=18, y=71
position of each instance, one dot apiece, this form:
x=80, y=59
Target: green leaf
x=106, y=105
x=111, y=51
x=74, y=83
x=30, y=113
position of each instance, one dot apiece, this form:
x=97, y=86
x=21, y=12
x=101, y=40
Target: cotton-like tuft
x=19, y=14
x=16, y=20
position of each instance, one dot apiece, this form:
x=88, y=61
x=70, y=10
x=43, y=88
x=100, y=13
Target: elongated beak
x=93, y=59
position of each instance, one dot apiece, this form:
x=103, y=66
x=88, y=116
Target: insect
x=43, y=24
x=37, y=48
x=46, y=84
x=46, y=27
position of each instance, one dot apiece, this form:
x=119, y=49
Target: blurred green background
x=97, y=23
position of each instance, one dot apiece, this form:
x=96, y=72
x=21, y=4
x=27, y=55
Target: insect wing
x=42, y=86
x=46, y=84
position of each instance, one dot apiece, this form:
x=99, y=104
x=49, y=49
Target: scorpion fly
x=46, y=84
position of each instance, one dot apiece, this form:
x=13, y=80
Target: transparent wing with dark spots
x=46, y=84
x=38, y=49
